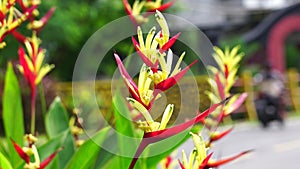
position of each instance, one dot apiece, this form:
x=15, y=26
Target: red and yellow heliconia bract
x=26, y=152
x=31, y=63
x=11, y=18
x=199, y=159
x=135, y=12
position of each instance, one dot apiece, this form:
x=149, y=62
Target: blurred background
x=266, y=30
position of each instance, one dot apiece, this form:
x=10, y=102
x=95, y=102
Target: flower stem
x=32, y=128
x=43, y=99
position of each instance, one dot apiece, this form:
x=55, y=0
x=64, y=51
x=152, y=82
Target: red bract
x=38, y=25
x=21, y=38
x=170, y=43
x=239, y=101
x=152, y=137
x=162, y=7
x=220, y=86
x=11, y=26
x=203, y=164
x=145, y=59
x=26, y=158
x=226, y=160
x=171, y=81
x=49, y=159
x=29, y=75
x=217, y=136
x=132, y=87
x=20, y=151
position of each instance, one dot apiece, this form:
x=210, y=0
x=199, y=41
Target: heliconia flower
x=165, y=79
x=141, y=94
x=168, y=162
x=157, y=5
x=228, y=63
x=10, y=23
x=221, y=81
x=134, y=12
x=20, y=151
x=214, y=136
x=25, y=4
x=155, y=136
x=155, y=44
x=37, y=25
x=26, y=152
x=214, y=164
x=31, y=65
x=199, y=159
x=235, y=103
x=149, y=125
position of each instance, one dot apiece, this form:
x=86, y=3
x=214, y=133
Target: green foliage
x=56, y=122
x=4, y=163
x=125, y=131
x=87, y=153
x=12, y=114
x=56, y=119
x=71, y=26
x=51, y=145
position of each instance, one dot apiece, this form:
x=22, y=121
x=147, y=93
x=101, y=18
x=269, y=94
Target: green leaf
x=56, y=120
x=50, y=146
x=128, y=139
x=64, y=139
x=12, y=114
x=4, y=163
x=87, y=153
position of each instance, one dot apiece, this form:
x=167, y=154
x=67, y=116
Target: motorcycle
x=268, y=109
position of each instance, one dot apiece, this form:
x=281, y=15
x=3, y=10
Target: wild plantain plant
x=63, y=147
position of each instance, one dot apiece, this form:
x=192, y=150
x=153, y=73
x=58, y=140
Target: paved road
x=275, y=147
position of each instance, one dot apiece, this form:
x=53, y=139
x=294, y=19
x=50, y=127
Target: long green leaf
x=56, y=119
x=56, y=122
x=126, y=135
x=4, y=163
x=50, y=146
x=13, y=114
x=87, y=153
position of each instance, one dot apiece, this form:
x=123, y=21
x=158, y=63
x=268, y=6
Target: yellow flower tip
x=77, y=111
x=20, y=69
x=35, y=25
x=200, y=146
x=31, y=166
x=27, y=150
x=166, y=116
x=157, y=77
x=2, y=45
x=79, y=143
x=140, y=19
x=152, y=5
x=148, y=126
x=35, y=12
x=33, y=2
x=76, y=130
x=138, y=106
x=30, y=138
x=214, y=134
